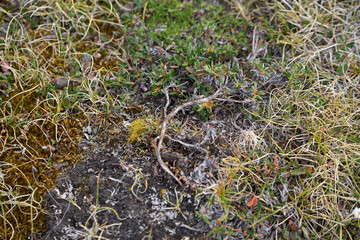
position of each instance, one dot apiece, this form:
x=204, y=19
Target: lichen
x=137, y=127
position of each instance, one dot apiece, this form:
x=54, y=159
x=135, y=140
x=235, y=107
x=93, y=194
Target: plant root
x=168, y=118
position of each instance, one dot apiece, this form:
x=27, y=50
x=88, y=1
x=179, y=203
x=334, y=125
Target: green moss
x=137, y=128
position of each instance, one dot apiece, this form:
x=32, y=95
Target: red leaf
x=5, y=66
x=252, y=202
x=292, y=225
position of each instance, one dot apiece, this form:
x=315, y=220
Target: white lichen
x=356, y=213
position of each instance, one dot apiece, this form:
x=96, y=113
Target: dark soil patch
x=146, y=214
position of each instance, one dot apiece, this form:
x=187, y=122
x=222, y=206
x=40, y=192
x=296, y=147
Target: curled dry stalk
x=139, y=176
x=168, y=117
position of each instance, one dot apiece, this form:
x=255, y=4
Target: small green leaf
x=300, y=171
x=208, y=69
x=168, y=55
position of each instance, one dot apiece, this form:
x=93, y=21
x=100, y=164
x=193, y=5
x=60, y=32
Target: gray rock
x=60, y=82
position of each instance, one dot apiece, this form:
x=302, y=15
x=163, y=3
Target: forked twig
x=167, y=119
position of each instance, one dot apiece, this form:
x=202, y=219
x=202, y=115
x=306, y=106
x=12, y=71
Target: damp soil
x=142, y=214
x=103, y=179
x=125, y=178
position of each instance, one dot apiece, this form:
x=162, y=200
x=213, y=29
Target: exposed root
x=170, y=116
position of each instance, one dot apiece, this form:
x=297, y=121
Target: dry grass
x=311, y=126
x=318, y=114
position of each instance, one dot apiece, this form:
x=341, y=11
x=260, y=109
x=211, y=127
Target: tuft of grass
x=92, y=229
x=318, y=114
x=175, y=204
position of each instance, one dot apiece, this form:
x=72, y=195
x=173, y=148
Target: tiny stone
x=97, y=55
x=60, y=82
x=88, y=129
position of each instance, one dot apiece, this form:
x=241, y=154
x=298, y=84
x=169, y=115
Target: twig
x=167, y=119
x=192, y=229
x=195, y=146
x=249, y=100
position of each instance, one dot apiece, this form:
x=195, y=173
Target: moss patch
x=137, y=128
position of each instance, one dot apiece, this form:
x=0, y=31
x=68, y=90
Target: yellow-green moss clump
x=137, y=127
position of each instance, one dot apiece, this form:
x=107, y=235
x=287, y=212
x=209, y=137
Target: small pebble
x=88, y=130
x=97, y=55
x=60, y=82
